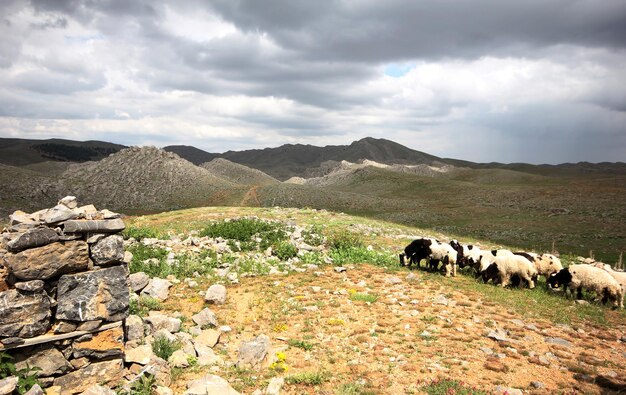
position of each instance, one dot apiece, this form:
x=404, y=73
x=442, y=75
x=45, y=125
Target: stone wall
x=64, y=294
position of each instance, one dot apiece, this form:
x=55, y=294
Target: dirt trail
x=251, y=198
x=415, y=331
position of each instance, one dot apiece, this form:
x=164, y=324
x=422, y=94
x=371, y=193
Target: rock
x=495, y=365
x=160, y=390
x=206, y=356
x=79, y=363
x=64, y=327
x=89, y=325
x=69, y=202
x=96, y=373
x=412, y=277
x=252, y=353
x=208, y=337
x=141, y=355
x=98, y=390
x=393, y=280
x=441, y=299
x=8, y=385
x=138, y=281
x=559, y=341
x=186, y=342
x=612, y=384
x=178, y=359
x=12, y=341
x=210, y=384
x=93, y=226
x=95, y=295
x=20, y=217
x=134, y=328
x=486, y=350
x=157, y=321
x=164, y=334
x=215, y=294
x=30, y=286
x=107, y=214
x=43, y=263
x=32, y=238
x=34, y=390
x=24, y=314
x=537, y=384
x=498, y=334
x=339, y=269
x=157, y=288
x=58, y=213
x=275, y=385
x=105, y=344
x=108, y=251
x=501, y=390
x=87, y=210
x=581, y=302
x=47, y=358
x=205, y=318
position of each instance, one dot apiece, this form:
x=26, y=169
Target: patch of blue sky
x=85, y=38
x=398, y=69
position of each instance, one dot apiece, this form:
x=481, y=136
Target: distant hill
x=148, y=179
x=192, y=154
x=22, y=152
x=236, y=173
x=294, y=160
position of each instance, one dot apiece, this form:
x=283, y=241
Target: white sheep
x=589, y=277
x=445, y=253
x=506, y=266
x=547, y=264
x=620, y=277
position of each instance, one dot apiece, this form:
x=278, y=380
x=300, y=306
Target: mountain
x=192, y=154
x=236, y=173
x=22, y=152
x=291, y=160
x=148, y=179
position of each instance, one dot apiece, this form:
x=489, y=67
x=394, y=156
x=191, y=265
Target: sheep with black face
x=591, y=278
x=417, y=250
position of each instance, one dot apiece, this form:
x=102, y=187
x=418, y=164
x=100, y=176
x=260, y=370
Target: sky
x=536, y=81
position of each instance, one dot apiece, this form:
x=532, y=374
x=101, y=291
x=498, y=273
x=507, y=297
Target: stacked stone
x=64, y=294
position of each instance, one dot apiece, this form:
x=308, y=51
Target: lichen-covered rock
x=32, y=238
x=43, y=263
x=24, y=314
x=141, y=355
x=157, y=321
x=205, y=318
x=138, y=281
x=58, y=213
x=95, y=373
x=94, y=226
x=30, y=286
x=253, y=353
x=48, y=359
x=96, y=295
x=157, y=288
x=108, y=250
x=216, y=294
x=134, y=328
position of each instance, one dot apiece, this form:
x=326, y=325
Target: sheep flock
x=507, y=268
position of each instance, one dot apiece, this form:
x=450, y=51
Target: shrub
x=139, y=233
x=345, y=240
x=144, y=386
x=141, y=253
x=308, y=378
x=284, y=250
x=371, y=298
x=306, y=346
x=163, y=347
x=447, y=386
x=143, y=305
x=313, y=236
x=244, y=229
x=27, y=377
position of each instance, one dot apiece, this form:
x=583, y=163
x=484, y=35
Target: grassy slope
x=504, y=206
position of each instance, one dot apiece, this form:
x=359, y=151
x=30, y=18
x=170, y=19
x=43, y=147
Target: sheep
x=619, y=276
x=469, y=255
x=507, y=266
x=445, y=253
x=417, y=250
x=589, y=277
x=547, y=264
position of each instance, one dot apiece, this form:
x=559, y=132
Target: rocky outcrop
x=43, y=263
x=23, y=314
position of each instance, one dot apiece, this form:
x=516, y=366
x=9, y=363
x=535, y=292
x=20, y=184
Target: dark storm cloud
x=400, y=29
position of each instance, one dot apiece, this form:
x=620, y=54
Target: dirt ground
x=414, y=331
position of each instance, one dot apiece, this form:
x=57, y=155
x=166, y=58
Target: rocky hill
x=21, y=152
x=147, y=179
x=192, y=154
x=236, y=173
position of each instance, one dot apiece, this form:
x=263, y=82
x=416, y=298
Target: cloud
x=535, y=81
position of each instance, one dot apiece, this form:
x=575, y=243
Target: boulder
x=43, y=263
x=95, y=373
x=69, y=202
x=7, y=386
x=205, y=318
x=208, y=337
x=105, y=344
x=157, y=321
x=47, y=358
x=178, y=359
x=93, y=226
x=275, y=385
x=134, y=328
x=108, y=251
x=138, y=281
x=98, y=390
x=32, y=238
x=24, y=314
x=206, y=356
x=56, y=214
x=216, y=294
x=35, y=390
x=20, y=217
x=210, y=384
x=141, y=355
x=253, y=353
x=96, y=295
x=157, y=288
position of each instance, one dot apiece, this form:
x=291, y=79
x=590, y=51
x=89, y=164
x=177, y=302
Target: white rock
x=216, y=294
